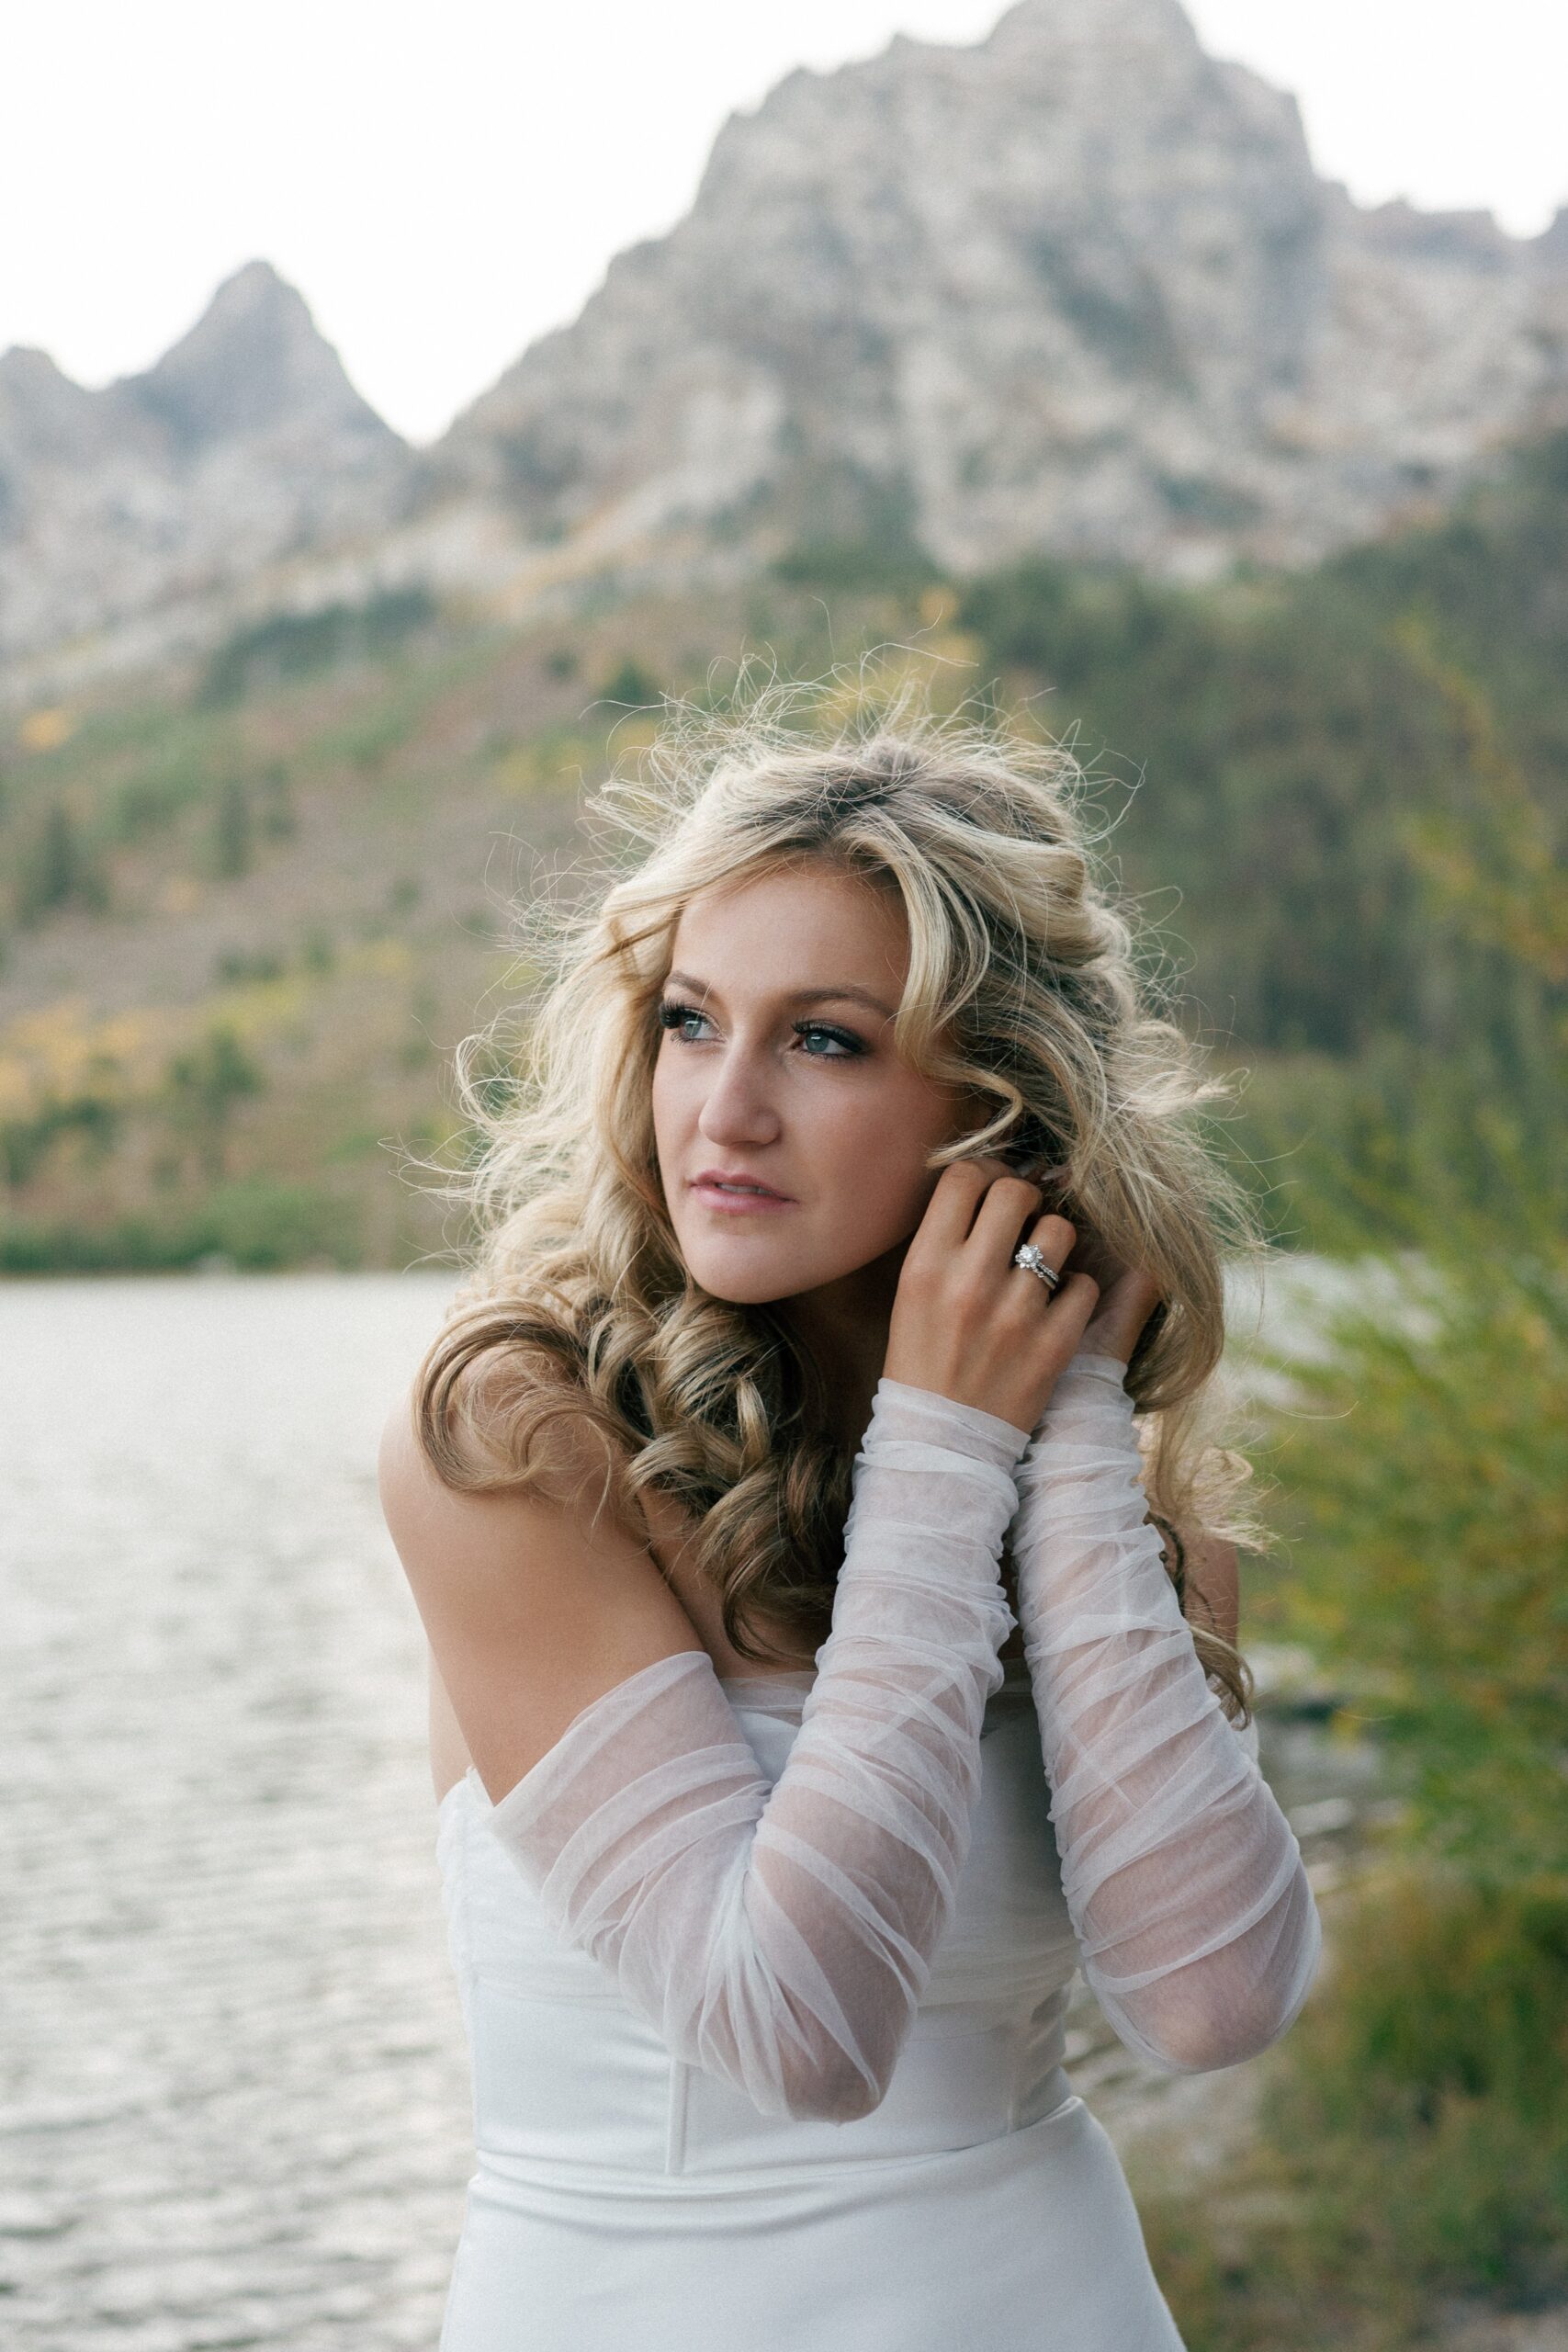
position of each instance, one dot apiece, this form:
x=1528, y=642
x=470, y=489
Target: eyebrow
x=794, y=996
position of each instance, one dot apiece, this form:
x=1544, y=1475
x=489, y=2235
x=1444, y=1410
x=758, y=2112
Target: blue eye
x=674, y=1015
x=841, y=1037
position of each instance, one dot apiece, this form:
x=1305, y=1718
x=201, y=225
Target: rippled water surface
x=235, y=2093
x=235, y=2101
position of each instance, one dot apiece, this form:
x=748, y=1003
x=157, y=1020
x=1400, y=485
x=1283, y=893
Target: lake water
x=235, y=2084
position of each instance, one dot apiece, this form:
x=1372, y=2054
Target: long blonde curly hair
x=1025, y=983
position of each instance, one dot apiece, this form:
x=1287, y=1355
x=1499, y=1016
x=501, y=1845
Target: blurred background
x=391, y=413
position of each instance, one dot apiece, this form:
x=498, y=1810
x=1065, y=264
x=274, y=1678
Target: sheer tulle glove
x=782, y=1935
x=1196, y=1926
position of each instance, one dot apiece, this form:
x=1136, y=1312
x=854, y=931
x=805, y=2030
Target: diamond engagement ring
x=1026, y=1254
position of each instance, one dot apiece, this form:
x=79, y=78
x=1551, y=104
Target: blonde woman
x=822, y=1669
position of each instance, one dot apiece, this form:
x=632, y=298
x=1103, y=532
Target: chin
x=741, y=1285
x=758, y=1278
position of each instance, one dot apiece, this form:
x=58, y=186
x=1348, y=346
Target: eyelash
x=671, y=1013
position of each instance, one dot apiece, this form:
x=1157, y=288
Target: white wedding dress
x=764, y=1980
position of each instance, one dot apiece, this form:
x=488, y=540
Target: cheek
x=875, y=1148
x=664, y=1095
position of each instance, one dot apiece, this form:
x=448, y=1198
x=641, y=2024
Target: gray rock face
x=246, y=443
x=1075, y=288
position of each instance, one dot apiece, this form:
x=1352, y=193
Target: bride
x=812, y=1504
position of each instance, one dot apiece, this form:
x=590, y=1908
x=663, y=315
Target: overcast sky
x=445, y=182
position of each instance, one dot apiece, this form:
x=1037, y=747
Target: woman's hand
x=969, y=1324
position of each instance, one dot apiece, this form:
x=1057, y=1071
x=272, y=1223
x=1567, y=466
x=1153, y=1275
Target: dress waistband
x=509, y=2178
x=963, y=2078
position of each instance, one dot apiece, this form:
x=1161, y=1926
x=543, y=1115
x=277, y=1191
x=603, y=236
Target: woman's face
x=776, y=1067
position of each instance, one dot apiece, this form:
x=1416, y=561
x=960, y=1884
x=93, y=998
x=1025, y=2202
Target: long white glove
x=781, y=1937
x=1196, y=1926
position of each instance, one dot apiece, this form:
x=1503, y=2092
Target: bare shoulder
x=534, y=1604
x=412, y=1489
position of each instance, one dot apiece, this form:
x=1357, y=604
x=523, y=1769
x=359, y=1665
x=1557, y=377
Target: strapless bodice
x=566, y=2075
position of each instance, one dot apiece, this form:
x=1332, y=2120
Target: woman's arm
x=780, y=1937
x=1195, y=1922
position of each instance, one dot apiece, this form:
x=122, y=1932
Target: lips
x=736, y=1182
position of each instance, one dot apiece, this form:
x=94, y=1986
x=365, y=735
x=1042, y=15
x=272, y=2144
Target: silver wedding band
x=1028, y=1254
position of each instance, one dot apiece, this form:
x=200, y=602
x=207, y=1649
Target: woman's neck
x=845, y=1325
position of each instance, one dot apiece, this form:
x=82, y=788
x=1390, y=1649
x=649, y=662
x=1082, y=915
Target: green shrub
x=58, y=866
x=150, y=800
x=630, y=684
x=237, y=967
x=26, y=1143
x=298, y=645
x=1412, y=2138
x=1429, y=2089
x=893, y=567
x=261, y=1222
x=1296, y=739
x=233, y=830
x=1425, y=1476
x=255, y=1222
x=203, y=1085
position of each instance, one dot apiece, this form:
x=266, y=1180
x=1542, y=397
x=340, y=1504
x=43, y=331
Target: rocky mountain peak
x=1098, y=29
x=253, y=361
x=1075, y=289
x=244, y=443
x=29, y=371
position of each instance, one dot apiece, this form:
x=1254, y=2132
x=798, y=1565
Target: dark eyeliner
x=826, y=1029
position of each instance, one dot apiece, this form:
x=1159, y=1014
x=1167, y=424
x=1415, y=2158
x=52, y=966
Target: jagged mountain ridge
x=1076, y=288
x=244, y=444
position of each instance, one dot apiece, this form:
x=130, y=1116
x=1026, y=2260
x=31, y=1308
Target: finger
x=1132, y=1295
x=1054, y=1248
x=1060, y=1320
x=1053, y=1177
x=1055, y=1238
x=1125, y=1311
x=1008, y=1209
x=1052, y=1236
x=1072, y=1307
x=1011, y=1212
x=950, y=1212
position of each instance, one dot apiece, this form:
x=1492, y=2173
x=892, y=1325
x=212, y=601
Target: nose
x=739, y=1106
